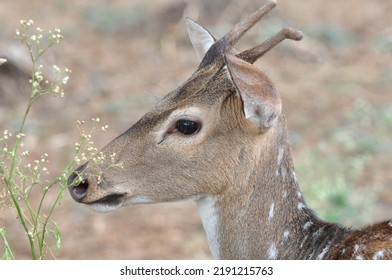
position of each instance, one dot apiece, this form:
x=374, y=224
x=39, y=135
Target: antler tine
x=255, y=53
x=242, y=27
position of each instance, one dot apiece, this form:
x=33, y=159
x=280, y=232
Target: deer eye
x=187, y=127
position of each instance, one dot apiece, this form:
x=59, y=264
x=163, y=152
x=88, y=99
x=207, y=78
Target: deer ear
x=201, y=39
x=261, y=101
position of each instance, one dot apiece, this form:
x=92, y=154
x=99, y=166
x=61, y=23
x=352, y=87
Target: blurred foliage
x=109, y=19
x=334, y=35
x=341, y=160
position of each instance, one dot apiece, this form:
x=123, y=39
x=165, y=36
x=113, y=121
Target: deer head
x=192, y=143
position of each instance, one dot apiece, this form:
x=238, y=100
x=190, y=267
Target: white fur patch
x=210, y=219
x=318, y=232
x=271, y=212
x=272, y=252
x=378, y=255
x=280, y=157
x=323, y=252
x=294, y=176
x=286, y=234
x=301, y=206
x=307, y=225
x=356, y=249
x=103, y=208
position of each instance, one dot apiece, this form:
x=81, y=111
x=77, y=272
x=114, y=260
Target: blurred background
x=336, y=86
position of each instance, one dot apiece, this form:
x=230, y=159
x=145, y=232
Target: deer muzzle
x=77, y=185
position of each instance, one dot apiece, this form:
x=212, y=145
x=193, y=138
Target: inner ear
x=261, y=100
x=201, y=39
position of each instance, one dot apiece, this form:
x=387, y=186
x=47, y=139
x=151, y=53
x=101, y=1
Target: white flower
x=56, y=69
x=65, y=80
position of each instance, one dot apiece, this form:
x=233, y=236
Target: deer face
x=192, y=142
x=166, y=143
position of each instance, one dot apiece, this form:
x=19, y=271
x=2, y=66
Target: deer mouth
x=107, y=203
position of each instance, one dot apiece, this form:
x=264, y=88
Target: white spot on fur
x=272, y=252
x=294, y=176
x=284, y=194
x=271, y=212
x=303, y=241
x=378, y=255
x=390, y=223
x=279, y=162
x=301, y=206
x=280, y=157
x=359, y=257
x=286, y=234
x=307, y=225
x=299, y=194
x=356, y=249
x=209, y=218
x=318, y=232
x=323, y=252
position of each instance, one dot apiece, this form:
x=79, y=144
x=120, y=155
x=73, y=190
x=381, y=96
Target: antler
x=255, y=53
x=238, y=30
x=227, y=42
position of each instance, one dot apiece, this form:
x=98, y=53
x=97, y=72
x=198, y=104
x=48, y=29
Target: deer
x=221, y=140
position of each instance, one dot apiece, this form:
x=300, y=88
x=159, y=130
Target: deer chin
x=114, y=201
x=107, y=203
x=103, y=208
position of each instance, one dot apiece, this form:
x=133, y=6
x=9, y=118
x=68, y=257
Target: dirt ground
x=126, y=55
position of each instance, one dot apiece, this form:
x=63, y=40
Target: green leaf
x=57, y=235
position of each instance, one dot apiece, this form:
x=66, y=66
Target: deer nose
x=78, y=186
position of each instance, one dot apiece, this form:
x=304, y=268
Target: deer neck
x=263, y=215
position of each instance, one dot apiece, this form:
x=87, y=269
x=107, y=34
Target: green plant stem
x=8, y=252
x=21, y=218
x=41, y=245
x=8, y=181
x=19, y=140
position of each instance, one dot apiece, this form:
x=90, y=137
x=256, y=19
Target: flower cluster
x=38, y=42
x=28, y=37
